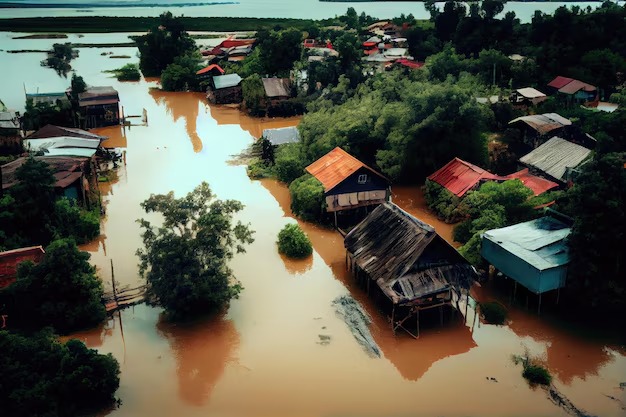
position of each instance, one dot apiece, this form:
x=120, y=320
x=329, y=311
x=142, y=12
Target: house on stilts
x=395, y=254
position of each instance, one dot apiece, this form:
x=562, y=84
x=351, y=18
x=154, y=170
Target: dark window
x=362, y=179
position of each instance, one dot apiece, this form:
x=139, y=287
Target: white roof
x=60, y=142
x=530, y=92
x=555, y=156
x=86, y=152
x=396, y=52
x=282, y=135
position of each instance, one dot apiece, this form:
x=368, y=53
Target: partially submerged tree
x=293, y=242
x=185, y=260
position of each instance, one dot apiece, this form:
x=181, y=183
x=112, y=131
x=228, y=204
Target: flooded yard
x=280, y=349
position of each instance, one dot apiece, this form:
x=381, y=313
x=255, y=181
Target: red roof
x=537, y=184
x=410, y=64
x=210, y=68
x=560, y=82
x=459, y=176
x=10, y=259
x=334, y=167
x=575, y=86
x=229, y=43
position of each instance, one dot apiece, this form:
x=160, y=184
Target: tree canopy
x=185, y=259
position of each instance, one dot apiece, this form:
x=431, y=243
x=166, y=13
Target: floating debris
x=358, y=321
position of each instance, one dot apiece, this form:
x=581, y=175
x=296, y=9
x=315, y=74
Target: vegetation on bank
x=44, y=377
x=129, y=72
x=59, y=58
x=293, y=242
x=185, y=259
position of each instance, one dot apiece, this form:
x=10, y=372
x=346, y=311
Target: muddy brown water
x=263, y=356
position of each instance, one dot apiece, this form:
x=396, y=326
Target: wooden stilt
x=558, y=295
x=441, y=315
x=539, y=306
x=514, y=290
x=393, y=319
x=466, y=306
x=335, y=213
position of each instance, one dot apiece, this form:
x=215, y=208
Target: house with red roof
x=9, y=260
x=578, y=91
x=349, y=183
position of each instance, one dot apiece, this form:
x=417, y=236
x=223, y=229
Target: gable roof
x=560, y=82
x=537, y=184
x=282, y=135
x=98, y=95
x=459, y=176
x=65, y=169
x=334, y=167
x=387, y=245
x=277, y=87
x=530, y=92
x=226, y=81
x=543, y=123
x=60, y=142
x=209, y=69
x=540, y=242
x=51, y=131
x=555, y=156
x=575, y=86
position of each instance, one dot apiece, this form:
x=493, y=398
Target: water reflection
x=202, y=350
x=230, y=115
x=116, y=136
x=185, y=106
x=297, y=266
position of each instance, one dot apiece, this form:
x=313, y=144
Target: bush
x=71, y=221
x=493, y=312
x=258, y=169
x=289, y=163
x=441, y=201
x=129, y=72
x=307, y=197
x=293, y=242
x=537, y=374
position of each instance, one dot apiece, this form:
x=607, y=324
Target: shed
x=537, y=184
x=543, y=123
x=52, y=131
x=409, y=262
x=349, y=183
x=99, y=107
x=226, y=89
x=282, y=135
x=534, y=254
x=579, y=90
x=555, y=158
x=277, y=88
x=528, y=95
x=9, y=260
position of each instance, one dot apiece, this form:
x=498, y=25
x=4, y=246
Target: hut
x=212, y=70
x=412, y=266
x=276, y=90
x=348, y=183
x=556, y=159
x=527, y=96
x=99, y=106
x=225, y=89
x=10, y=131
x=534, y=254
x=9, y=260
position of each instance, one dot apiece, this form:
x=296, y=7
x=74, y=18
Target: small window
x=362, y=179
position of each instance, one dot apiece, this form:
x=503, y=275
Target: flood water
x=264, y=356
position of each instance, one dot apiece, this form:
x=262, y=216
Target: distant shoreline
x=105, y=5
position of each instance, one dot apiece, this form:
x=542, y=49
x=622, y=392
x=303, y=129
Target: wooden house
x=276, y=90
x=10, y=131
x=576, y=91
x=534, y=254
x=225, y=89
x=407, y=262
x=212, y=70
x=99, y=106
x=349, y=183
x=9, y=260
x=48, y=98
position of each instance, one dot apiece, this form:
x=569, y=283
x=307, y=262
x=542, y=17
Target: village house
x=527, y=97
x=9, y=260
x=52, y=131
x=534, y=254
x=276, y=90
x=576, y=91
x=10, y=132
x=556, y=159
x=75, y=176
x=225, y=89
x=348, y=183
x=212, y=70
x=99, y=106
x=413, y=267
x=459, y=177
x=537, y=128
x=63, y=146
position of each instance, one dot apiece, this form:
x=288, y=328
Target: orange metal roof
x=334, y=167
x=537, y=184
x=209, y=68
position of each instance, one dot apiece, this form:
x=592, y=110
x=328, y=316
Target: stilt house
x=99, y=106
x=408, y=262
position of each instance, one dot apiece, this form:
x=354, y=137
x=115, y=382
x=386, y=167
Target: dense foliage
x=69, y=220
x=185, y=259
x=307, y=197
x=278, y=50
x=533, y=371
x=129, y=72
x=442, y=202
x=253, y=94
x=293, y=242
x=59, y=58
x=289, y=164
x=162, y=44
x=44, y=377
x=180, y=75
x=61, y=291
x=493, y=312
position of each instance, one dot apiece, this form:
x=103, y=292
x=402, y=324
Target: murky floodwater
x=263, y=357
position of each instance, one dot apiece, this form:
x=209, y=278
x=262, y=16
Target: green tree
x=69, y=220
x=185, y=260
x=307, y=198
x=181, y=74
x=161, y=45
x=278, y=50
x=289, y=164
x=61, y=291
x=445, y=63
x=293, y=242
x=44, y=377
x=253, y=94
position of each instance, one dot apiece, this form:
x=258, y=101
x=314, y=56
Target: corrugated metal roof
x=277, y=87
x=575, y=86
x=560, y=82
x=61, y=167
x=530, y=92
x=282, y=135
x=226, y=81
x=555, y=156
x=459, y=176
x=537, y=184
x=210, y=68
x=51, y=131
x=334, y=167
x=540, y=242
x=543, y=123
x=60, y=142
x=87, y=153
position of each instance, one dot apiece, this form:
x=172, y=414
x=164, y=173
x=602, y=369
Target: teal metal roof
x=540, y=242
x=225, y=81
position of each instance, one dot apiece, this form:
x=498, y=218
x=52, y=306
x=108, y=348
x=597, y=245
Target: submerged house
x=556, y=159
x=99, y=106
x=282, y=135
x=349, y=183
x=409, y=263
x=537, y=128
x=276, y=90
x=9, y=260
x=225, y=89
x=534, y=254
x=10, y=131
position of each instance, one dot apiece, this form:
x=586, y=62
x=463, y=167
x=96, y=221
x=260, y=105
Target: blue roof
x=225, y=81
x=541, y=243
x=282, y=135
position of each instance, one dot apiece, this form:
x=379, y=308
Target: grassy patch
x=533, y=372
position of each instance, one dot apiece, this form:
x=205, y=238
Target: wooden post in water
x=539, y=306
x=113, y=283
